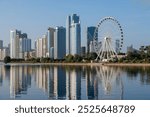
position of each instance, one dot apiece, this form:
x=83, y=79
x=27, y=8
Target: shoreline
x=128, y=64
x=59, y=64
x=83, y=64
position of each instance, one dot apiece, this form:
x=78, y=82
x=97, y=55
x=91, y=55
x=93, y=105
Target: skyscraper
x=19, y=43
x=90, y=36
x=44, y=45
x=14, y=43
x=68, y=23
x=38, y=47
x=25, y=46
x=1, y=44
x=50, y=39
x=41, y=47
x=59, y=43
x=73, y=35
x=83, y=51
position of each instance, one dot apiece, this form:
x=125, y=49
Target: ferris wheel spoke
x=108, y=38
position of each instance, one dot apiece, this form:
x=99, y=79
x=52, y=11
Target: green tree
x=147, y=48
x=77, y=58
x=69, y=58
x=142, y=52
x=38, y=60
x=133, y=55
x=92, y=56
x=7, y=59
x=45, y=60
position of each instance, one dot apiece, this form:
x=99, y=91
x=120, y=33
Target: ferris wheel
x=108, y=39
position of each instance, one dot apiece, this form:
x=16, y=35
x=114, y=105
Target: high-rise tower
x=59, y=43
x=15, y=37
x=73, y=35
x=50, y=39
x=90, y=33
x=41, y=47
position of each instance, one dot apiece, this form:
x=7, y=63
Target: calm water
x=74, y=82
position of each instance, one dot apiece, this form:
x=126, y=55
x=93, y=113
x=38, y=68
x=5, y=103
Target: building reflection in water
x=51, y=94
x=59, y=82
x=4, y=74
x=73, y=82
x=91, y=83
x=20, y=80
x=66, y=82
x=1, y=76
x=41, y=77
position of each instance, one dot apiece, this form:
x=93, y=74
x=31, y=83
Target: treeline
x=139, y=56
x=69, y=58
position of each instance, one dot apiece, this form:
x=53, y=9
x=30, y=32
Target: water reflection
x=74, y=83
x=111, y=82
x=20, y=80
x=4, y=74
x=135, y=72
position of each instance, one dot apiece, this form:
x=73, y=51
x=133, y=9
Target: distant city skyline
x=34, y=17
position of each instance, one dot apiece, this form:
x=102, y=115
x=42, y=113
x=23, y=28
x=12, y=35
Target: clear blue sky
x=35, y=16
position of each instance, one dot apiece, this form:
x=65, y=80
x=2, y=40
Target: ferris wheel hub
x=107, y=38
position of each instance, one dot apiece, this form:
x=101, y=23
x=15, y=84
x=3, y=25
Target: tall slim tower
x=59, y=43
x=14, y=43
x=73, y=35
x=68, y=24
x=50, y=39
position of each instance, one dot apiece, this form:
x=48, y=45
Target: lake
x=49, y=82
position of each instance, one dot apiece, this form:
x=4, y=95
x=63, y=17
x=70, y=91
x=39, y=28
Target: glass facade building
x=59, y=43
x=73, y=35
x=15, y=37
x=50, y=39
x=25, y=46
x=90, y=36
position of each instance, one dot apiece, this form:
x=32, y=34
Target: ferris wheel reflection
x=111, y=84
